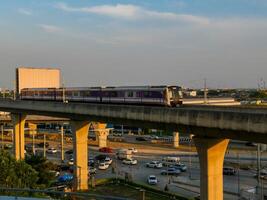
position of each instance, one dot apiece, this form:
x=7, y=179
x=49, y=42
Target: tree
x=16, y=174
x=258, y=95
x=44, y=169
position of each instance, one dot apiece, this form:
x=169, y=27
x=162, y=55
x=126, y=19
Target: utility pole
x=44, y=145
x=205, y=91
x=14, y=93
x=238, y=176
x=62, y=143
x=258, y=168
x=2, y=135
x=33, y=149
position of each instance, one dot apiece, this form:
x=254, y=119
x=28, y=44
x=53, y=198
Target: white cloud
x=50, y=28
x=132, y=12
x=24, y=11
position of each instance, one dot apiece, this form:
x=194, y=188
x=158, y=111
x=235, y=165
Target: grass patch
x=131, y=190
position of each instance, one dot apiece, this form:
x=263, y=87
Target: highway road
x=185, y=184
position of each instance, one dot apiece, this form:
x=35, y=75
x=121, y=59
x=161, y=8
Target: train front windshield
x=176, y=93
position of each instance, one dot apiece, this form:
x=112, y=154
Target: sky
x=134, y=42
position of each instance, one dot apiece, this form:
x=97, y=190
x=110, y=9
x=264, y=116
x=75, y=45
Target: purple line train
x=139, y=95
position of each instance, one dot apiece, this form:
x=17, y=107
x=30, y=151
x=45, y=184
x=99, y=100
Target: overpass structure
x=212, y=127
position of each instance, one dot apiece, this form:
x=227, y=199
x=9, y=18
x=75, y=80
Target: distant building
x=27, y=77
x=190, y=93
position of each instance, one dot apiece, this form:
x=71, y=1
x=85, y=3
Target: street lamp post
x=2, y=135
x=238, y=176
x=44, y=145
x=33, y=141
x=62, y=143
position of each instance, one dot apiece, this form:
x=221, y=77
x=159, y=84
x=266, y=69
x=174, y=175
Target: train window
x=146, y=94
x=130, y=94
x=85, y=93
x=113, y=94
x=75, y=93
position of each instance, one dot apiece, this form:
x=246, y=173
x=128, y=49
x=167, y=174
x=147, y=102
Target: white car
x=71, y=161
x=154, y=164
x=103, y=166
x=152, y=180
x=129, y=161
x=51, y=150
x=133, y=150
x=108, y=160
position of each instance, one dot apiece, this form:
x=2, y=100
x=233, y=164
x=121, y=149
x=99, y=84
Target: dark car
x=140, y=139
x=171, y=171
x=64, y=168
x=105, y=150
x=69, y=152
x=101, y=157
x=8, y=146
x=41, y=144
x=229, y=171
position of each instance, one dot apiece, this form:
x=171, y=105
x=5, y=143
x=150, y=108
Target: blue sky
x=133, y=42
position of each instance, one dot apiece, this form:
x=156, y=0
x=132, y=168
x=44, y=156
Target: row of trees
x=34, y=172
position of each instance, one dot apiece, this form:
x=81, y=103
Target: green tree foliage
x=258, y=94
x=44, y=169
x=16, y=174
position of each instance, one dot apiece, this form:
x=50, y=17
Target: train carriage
x=138, y=95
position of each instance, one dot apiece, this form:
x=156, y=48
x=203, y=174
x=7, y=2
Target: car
x=130, y=161
x=180, y=166
x=251, y=144
x=91, y=162
x=108, y=160
x=51, y=150
x=140, y=139
x=152, y=180
x=41, y=145
x=69, y=152
x=154, y=137
x=8, y=146
x=263, y=174
x=133, y=150
x=56, y=173
x=154, y=164
x=229, y=171
x=65, y=178
x=103, y=166
x=101, y=157
x=64, y=167
x=71, y=161
x=91, y=170
x=105, y=150
x=171, y=171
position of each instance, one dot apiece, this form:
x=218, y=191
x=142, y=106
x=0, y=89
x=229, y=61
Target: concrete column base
x=18, y=121
x=211, y=156
x=176, y=139
x=101, y=134
x=80, y=136
x=102, y=137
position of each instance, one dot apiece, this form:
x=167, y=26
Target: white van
x=170, y=160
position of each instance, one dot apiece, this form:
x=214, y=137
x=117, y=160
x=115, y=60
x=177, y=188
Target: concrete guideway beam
x=80, y=136
x=211, y=157
x=18, y=121
x=176, y=139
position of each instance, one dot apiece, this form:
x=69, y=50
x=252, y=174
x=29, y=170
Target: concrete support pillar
x=211, y=153
x=175, y=139
x=101, y=134
x=263, y=147
x=18, y=121
x=32, y=128
x=80, y=136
